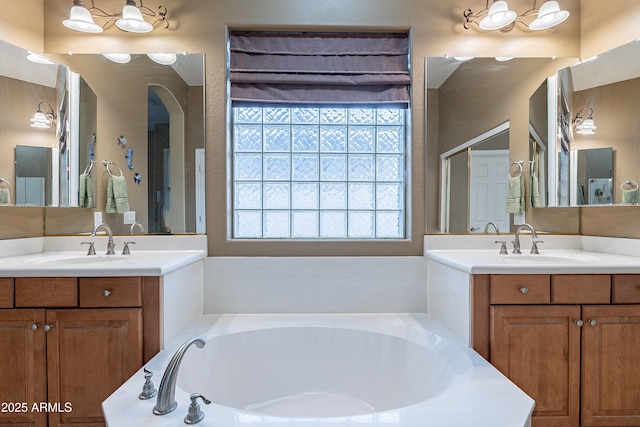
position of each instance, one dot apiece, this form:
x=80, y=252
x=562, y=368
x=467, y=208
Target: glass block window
x=318, y=173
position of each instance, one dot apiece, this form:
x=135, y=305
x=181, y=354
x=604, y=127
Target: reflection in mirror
x=598, y=164
x=149, y=129
x=471, y=98
x=26, y=88
x=475, y=176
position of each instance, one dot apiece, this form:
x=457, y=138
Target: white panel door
x=488, y=189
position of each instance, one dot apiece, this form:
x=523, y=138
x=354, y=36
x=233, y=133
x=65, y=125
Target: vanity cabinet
x=67, y=343
x=569, y=341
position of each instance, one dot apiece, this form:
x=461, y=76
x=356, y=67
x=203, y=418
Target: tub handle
x=195, y=414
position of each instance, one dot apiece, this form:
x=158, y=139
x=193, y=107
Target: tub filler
x=334, y=370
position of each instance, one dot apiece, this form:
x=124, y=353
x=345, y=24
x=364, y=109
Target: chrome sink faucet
x=110, y=244
x=133, y=226
x=516, y=241
x=495, y=226
x=166, y=401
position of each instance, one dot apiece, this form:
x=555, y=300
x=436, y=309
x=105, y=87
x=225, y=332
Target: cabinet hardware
x=106, y=292
x=47, y=328
x=524, y=290
x=34, y=326
x=593, y=322
x=578, y=322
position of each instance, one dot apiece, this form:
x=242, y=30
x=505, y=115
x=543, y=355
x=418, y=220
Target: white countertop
x=78, y=264
x=489, y=261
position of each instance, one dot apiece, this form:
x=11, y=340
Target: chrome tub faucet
x=166, y=401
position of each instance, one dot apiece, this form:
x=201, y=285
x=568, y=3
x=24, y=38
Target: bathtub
x=335, y=370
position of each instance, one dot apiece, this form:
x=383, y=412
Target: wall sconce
x=585, y=126
x=43, y=120
x=130, y=19
x=499, y=17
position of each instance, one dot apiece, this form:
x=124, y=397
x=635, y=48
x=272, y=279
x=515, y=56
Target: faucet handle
x=92, y=249
x=534, y=246
x=503, y=246
x=148, y=389
x=125, y=250
x=195, y=414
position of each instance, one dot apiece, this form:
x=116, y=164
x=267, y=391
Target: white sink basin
x=549, y=258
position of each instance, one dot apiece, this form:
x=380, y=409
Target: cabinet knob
x=106, y=292
x=579, y=322
x=593, y=322
x=524, y=290
x=34, y=326
x=47, y=328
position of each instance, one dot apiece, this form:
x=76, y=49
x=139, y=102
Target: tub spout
x=166, y=401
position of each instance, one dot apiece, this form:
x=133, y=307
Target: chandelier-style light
x=499, y=17
x=131, y=18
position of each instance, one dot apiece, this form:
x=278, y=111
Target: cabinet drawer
x=6, y=293
x=520, y=289
x=581, y=289
x=625, y=289
x=111, y=292
x=46, y=291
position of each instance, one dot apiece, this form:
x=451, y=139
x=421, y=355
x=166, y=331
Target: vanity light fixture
x=499, y=17
x=41, y=119
x=39, y=59
x=163, y=58
x=120, y=58
x=585, y=126
x=130, y=19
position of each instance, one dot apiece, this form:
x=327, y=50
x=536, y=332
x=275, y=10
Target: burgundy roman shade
x=319, y=68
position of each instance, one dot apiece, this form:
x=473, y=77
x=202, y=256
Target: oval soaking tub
x=321, y=371
x=326, y=370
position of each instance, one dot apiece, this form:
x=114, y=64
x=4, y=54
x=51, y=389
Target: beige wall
x=436, y=31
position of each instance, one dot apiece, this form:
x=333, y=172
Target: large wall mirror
x=482, y=121
x=585, y=131
x=141, y=120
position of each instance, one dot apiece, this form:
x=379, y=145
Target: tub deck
x=482, y=398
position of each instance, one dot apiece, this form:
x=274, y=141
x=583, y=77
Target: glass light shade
x=80, y=19
x=40, y=121
x=132, y=20
x=163, y=58
x=499, y=16
x=587, y=127
x=549, y=16
x=120, y=58
x=39, y=59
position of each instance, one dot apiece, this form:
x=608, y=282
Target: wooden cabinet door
x=611, y=365
x=90, y=353
x=22, y=368
x=538, y=348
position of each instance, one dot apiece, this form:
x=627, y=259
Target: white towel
x=117, y=199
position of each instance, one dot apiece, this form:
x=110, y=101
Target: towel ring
x=106, y=165
x=5, y=182
x=629, y=185
x=518, y=172
x=87, y=170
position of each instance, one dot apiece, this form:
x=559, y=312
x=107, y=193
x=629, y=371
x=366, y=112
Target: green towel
x=534, y=199
x=117, y=199
x=85, y=199
x=5, y=196
x=515, y=194
x=630, y=196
